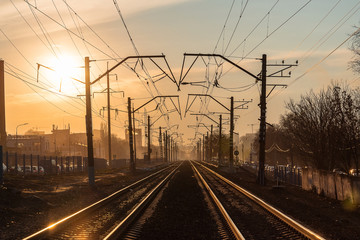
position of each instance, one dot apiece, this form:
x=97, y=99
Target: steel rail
x=288, y=220
x=130, y=218
x=224, y=213
x=46, y=231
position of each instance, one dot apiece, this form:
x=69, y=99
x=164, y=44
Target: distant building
x=246, y=148
x=26, y=144
x=61, y=142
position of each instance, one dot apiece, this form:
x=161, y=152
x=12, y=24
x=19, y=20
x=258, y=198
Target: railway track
x=235, y=213
x=248, y=216
x=107, y=218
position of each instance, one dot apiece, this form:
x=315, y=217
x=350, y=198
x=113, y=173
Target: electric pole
x=108, y=108
x=149, y=146
x=166, y=146
x=89, y=132
x=231, y=157
x=160, y=143
x=203, y=148
x=2, y=107
x=220, y=129
x=211, y=138
x=130, y=132
x=134, y=134
x=262, y=132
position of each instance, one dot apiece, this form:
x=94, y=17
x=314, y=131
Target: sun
x=61, y=73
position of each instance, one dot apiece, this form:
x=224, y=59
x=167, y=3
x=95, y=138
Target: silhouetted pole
x=211, y=140
x=108, y=108
x=207, y=146
x=131, y=144
x=89, y=133
x=160, y=144
x=197, y=150
x=231, y=157
x=166, y=146
x=1, y=166
x=203, y=158
x=220, y=136
x=2, y=107
x=169, y=147
x=149, y=147
x=176, y=151
x=134, y=139
x=262, y=132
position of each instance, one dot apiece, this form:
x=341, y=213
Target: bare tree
x=325, y=127
x=355, y=48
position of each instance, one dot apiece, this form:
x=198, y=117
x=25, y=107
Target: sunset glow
x=60, y=34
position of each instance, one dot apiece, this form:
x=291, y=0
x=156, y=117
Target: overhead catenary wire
x=254, y=28
x=277, y=28
x=331, y=32
x=218, y=78
x=53, y=104
x=323, y=59
x=235, y=28
x=223, y=28
x=315, y=27
x=141, y=62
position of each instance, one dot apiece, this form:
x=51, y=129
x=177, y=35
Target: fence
x=285, y=174
x=25, y=164
x=333, y=185
x=280, y=174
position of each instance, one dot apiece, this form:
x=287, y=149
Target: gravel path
x=182, y=211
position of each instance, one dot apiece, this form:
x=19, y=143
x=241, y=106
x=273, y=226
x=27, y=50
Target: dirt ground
x=31, y=202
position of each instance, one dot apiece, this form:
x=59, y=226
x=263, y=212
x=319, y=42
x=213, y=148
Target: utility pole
x=211, y=140
x=220, y=136
x=207, y=146
x=108, y=108
x=197, y=150
x=203, y=158
x=160, y=143
x=170, y=150
x=134, y=134
x=130, y=132
x=252, y=127
x=262, y=132
x=231, y=157
x=89, y=132
x=149, y=146
x=166, y=146
x=2, y=107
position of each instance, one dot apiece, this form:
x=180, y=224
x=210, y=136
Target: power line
x=28, y=84
x=223, y=29
x=236, y=26
x=254, y=28
x=316, y=26
x=61, y=25
x=275, y=30
x=280, y=26
x=16, y=75
x=329, y=33
x=321, y=61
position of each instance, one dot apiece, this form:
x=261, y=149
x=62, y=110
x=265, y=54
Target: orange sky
x=173, y=28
